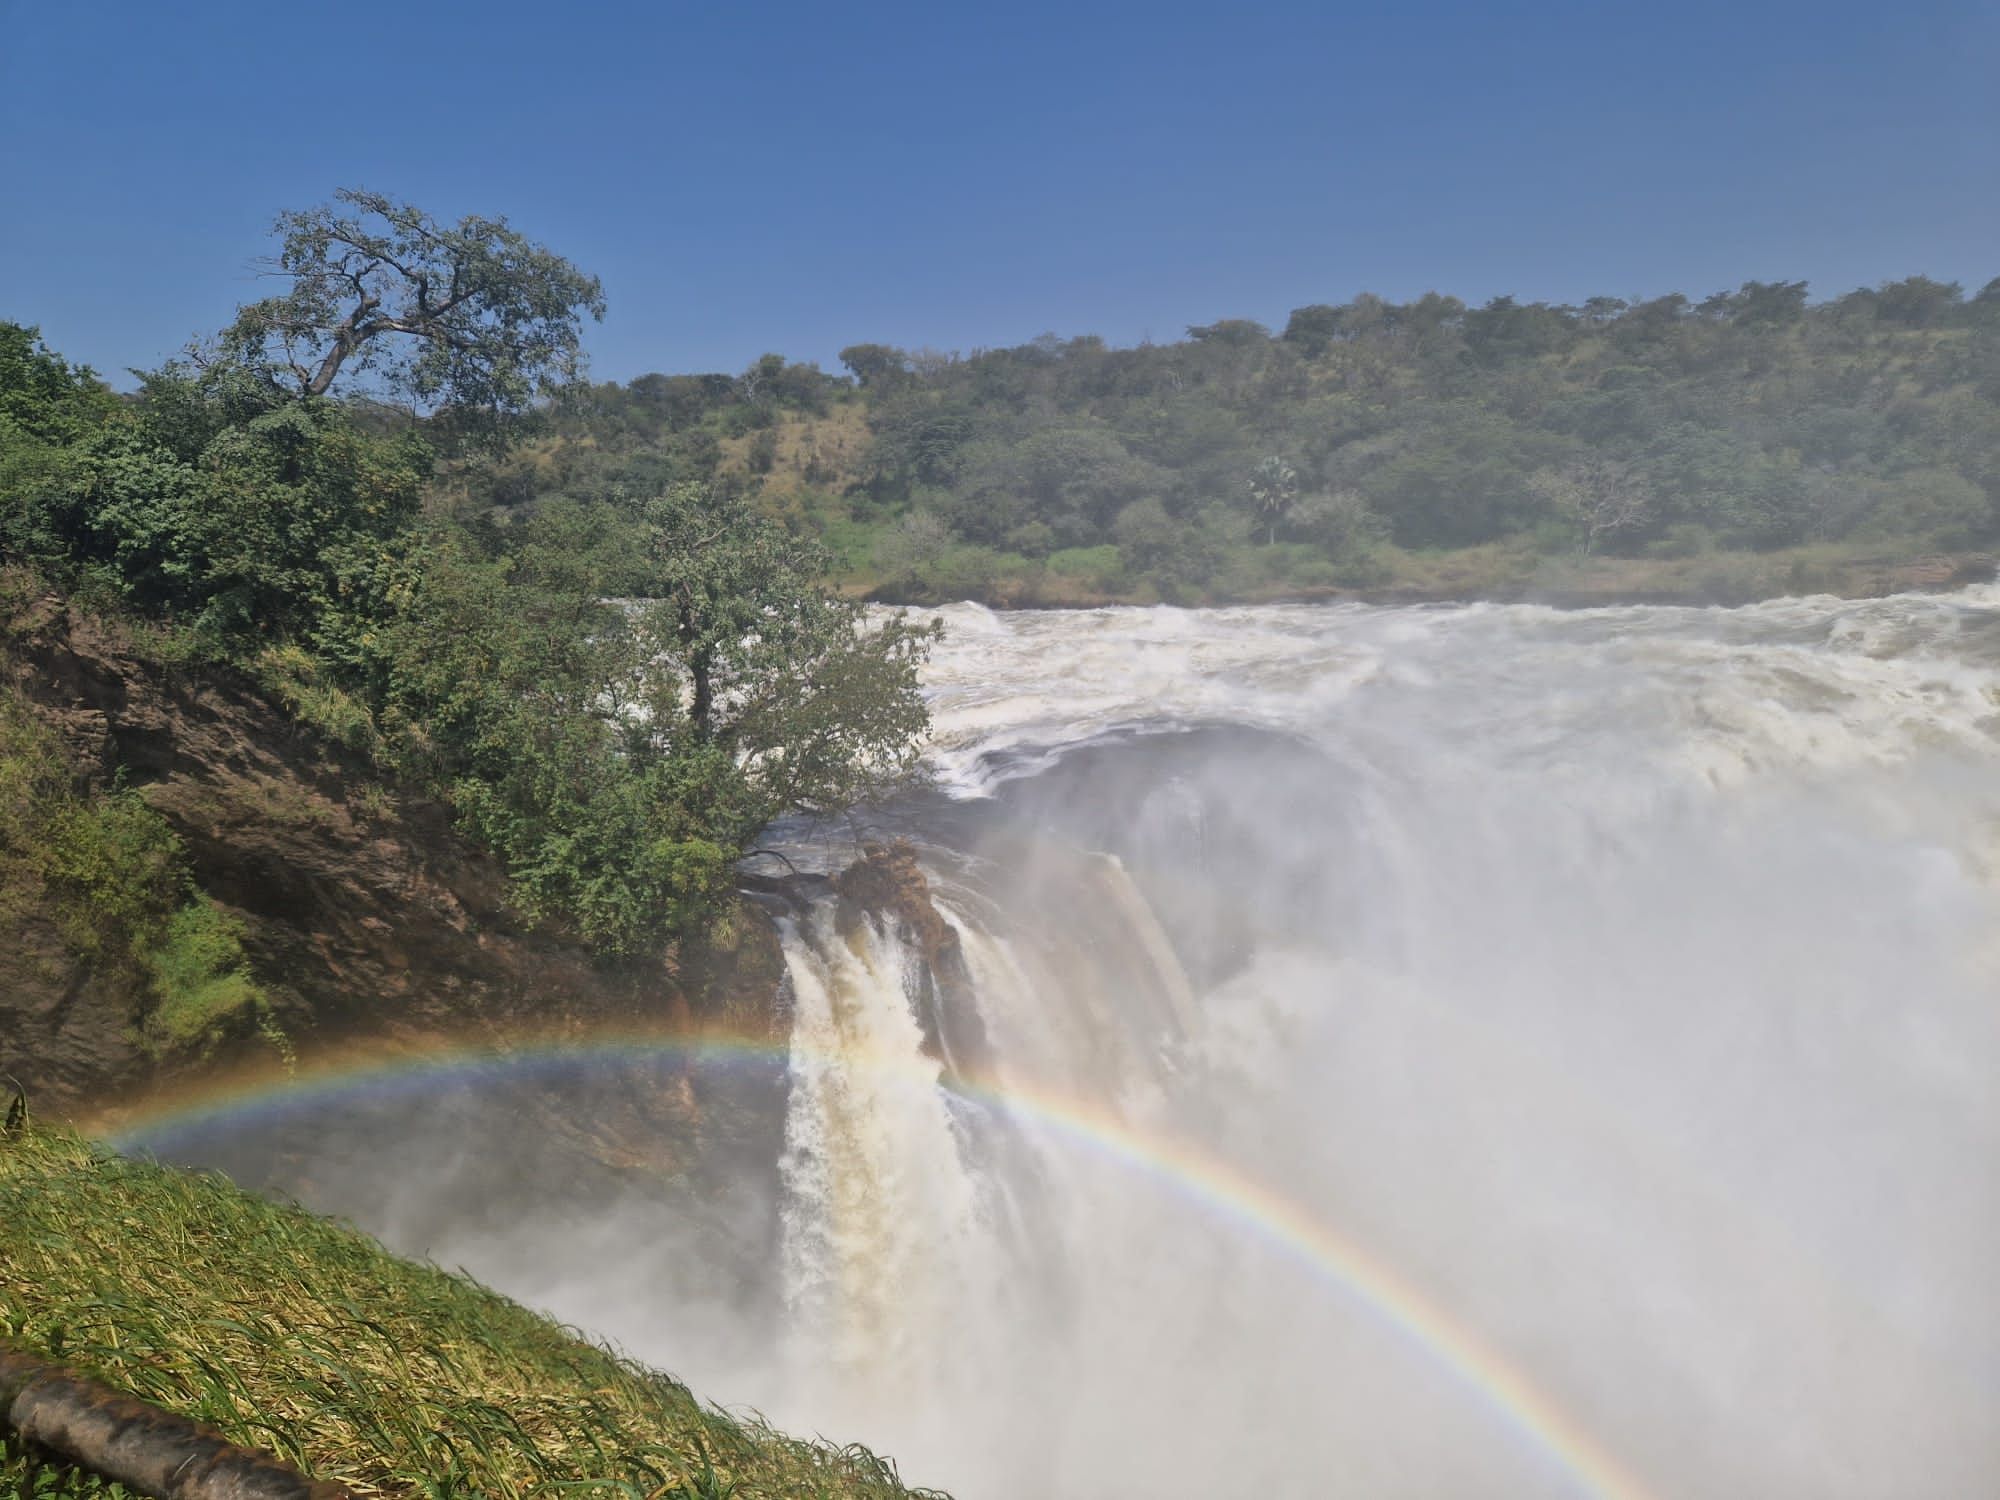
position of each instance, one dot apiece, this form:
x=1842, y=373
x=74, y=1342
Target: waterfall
x=1623, y=982
x=885, y=1234
x=1423, y=1054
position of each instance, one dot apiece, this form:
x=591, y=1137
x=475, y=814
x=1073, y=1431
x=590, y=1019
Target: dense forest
x=1366, y=444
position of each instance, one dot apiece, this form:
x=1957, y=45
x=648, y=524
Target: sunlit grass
x=300, y=1336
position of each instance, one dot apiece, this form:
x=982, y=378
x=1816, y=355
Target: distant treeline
x=1239, y=460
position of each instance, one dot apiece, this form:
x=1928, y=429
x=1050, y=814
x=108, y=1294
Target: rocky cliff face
x=887, y=885
x=381, y=936
x=365, y=916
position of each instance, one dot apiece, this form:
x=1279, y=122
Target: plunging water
x=1445, y=1052
x=1623, y=982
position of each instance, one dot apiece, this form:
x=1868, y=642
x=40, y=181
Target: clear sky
x=748, y=177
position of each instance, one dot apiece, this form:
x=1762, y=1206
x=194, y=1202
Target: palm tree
x=1274, y=486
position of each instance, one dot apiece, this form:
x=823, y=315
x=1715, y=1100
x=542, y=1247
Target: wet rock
x=887, y=885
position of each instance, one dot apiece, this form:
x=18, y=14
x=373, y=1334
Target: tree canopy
x=473, y=316
x=1359, y=445
x=623, y=692
x=615, y=693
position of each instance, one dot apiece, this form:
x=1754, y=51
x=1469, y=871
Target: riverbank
x=1501, y=573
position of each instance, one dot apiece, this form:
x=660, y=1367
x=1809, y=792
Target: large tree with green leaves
x=48, y=410
x=623, y=694
x=472, y=316
x=745, y=649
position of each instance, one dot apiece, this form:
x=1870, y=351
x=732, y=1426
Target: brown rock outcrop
x=888, y=885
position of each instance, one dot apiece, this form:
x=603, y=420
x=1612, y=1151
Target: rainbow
x=1217, y=1187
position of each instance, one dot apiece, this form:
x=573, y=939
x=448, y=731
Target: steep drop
x=1420, y=1053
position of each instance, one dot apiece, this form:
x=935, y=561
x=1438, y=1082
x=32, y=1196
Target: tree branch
x=770, y=854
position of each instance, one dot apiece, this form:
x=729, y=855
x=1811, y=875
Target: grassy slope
x=300, y=1336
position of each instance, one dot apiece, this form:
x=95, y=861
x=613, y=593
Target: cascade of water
x=1433, y=1053
x=889, y=1239
x=1623, y=981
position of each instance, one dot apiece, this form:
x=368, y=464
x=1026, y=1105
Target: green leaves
x=200, y=976
x=44, y=398
x=624, y=693
x=471, y=317
x=618, y=755
x=111, y=874
x=48, y=409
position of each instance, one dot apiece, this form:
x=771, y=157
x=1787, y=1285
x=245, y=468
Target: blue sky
x=748, y=177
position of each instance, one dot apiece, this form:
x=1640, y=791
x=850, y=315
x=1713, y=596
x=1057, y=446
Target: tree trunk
x=704, y=691
x=701, y=668
x=150, y=1451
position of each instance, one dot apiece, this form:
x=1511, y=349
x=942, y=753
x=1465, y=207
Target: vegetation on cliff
x=110, y=876
x=299, y=1336
x=596, y=622
x=619, y=757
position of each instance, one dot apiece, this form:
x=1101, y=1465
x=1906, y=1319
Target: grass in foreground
x=300, y=1336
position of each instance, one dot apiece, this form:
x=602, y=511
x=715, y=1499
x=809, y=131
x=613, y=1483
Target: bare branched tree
x=1599, y=496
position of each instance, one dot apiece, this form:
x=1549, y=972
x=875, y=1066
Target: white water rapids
x=1625, y=980
x=1430, y=1054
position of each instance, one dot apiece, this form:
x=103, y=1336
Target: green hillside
x=305, y=1338
x=1750, y=443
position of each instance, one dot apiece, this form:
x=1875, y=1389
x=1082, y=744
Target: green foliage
x=1101, y=567
x=105, y=867
x=958, y=571
x=1934, y=502
x=472, y=317
x=622, y=755
x=919, y=441
x=299, y=1336
x=42, y=397
x=875, y=365
x=1274, y=490
x=619, y=757
x=113, y=866
x=48, y=409
x=1756, y=416
x=200, y=977
x=221, y=504
x=109, y=872
x=302, y=685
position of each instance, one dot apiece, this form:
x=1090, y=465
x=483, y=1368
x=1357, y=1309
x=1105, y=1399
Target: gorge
x=1434, y=1051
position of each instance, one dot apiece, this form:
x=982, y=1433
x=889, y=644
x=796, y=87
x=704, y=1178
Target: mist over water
x=1623, y=981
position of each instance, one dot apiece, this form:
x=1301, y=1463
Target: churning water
x=1444, y=1052
x=1432, y=1052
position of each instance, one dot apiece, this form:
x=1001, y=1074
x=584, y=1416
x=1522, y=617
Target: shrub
x=1102, y=568
x=113, y=866
x=109, y=872
x=200, y=981
x=297, y=682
